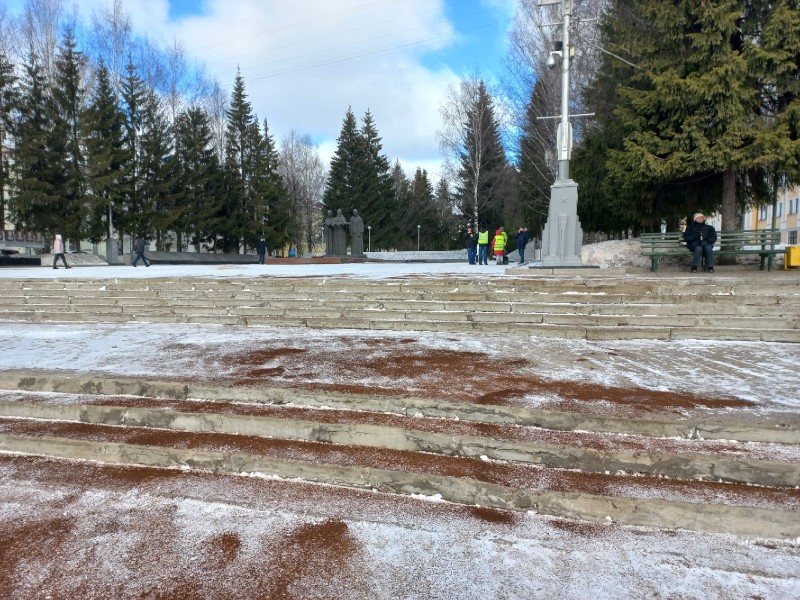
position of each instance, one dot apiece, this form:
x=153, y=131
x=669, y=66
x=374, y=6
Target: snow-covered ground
x=382, y=265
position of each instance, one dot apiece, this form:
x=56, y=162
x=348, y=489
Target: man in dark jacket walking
x=700, y=237
x=522, y=241
x=261, y=248
x=139, y=248
x=472, y=244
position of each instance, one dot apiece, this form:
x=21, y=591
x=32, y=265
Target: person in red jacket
x=499, y=246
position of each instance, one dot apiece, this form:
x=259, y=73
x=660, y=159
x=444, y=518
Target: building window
x=779, y=209
x=793, y=238
x=762, y=213
x=793, y=205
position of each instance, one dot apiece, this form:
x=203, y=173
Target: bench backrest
x=674, y=239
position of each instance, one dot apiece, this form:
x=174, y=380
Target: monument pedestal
x=563, y=237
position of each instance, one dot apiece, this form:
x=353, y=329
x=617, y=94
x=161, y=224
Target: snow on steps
x=557, y=475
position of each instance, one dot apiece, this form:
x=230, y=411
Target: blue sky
x=304, y=62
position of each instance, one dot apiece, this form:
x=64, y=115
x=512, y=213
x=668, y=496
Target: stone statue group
x=336, y=234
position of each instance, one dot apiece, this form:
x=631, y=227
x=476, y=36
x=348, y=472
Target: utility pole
x=563, y=236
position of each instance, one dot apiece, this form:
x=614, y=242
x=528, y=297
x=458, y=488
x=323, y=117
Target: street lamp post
x=369, y=238
x=418, y=230
x=562, y=237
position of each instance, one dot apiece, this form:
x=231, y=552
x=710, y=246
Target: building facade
x=786, y=211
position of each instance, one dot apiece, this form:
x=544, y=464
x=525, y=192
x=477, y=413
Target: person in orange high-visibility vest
x=499, y=246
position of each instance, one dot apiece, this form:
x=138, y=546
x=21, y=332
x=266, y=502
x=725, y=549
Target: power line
x=353, y=57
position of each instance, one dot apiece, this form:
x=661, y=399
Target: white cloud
x=305, y=62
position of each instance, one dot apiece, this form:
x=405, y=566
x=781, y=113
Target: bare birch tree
x=111, y=40
x=216, y=107
x=41, y=22
x=470, y=144
x=536, y=32
x=304, y=176
x=8, y=35
x=149, y=61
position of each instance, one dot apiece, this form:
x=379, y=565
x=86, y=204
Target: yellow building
x=786, y=216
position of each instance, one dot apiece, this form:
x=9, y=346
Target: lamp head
x=551, y=59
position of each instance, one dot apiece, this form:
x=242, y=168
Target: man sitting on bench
x=700, y=238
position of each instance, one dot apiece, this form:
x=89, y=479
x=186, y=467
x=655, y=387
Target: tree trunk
x=730, y=221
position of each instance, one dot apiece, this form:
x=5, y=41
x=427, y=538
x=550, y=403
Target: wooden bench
x=761, y=242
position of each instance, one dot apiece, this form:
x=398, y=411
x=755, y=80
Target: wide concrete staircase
x=730, y=471
x=719, y=473
x=756, y=306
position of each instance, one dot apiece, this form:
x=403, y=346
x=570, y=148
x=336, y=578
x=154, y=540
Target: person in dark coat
x=139, y=248
x=700, y=237
x=471, y=240
x=261, y=248
x=483, y=246
x=522, y=241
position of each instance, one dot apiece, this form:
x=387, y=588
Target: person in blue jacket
x=522, y=241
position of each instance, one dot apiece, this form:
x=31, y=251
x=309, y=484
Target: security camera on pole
x=562, y=237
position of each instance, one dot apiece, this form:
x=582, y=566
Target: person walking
x=58, y=252
x=261, y=248
x=483, y=247
x=522, y=238
x=499, y=246
x=472, y=245
x=139, y=247
x=700, y=237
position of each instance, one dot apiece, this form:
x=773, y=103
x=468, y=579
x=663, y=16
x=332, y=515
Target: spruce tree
x=374, y=194
x=129, y=213
x=447, y=221
x=8, y=100
x=694, y=110
x=275, y=195
x=66, y=137
x=482, y=164
x=340, y=187
x=199, y=176
x=535, y=175
x=431, y=235
x=242, y=142
x=159, y=173
x=106, y=156
x=36, y=203
x=770, y=42
x=405, y=214
x=360, y=178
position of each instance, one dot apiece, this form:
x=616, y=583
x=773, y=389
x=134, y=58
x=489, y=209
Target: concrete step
x=743, y=426
x=599, y=308
x=587, y=452
x=660, y=469
x=646, y=501
x=507, y=309
x=566, y=326
x=734, y=308
x=427, y=289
